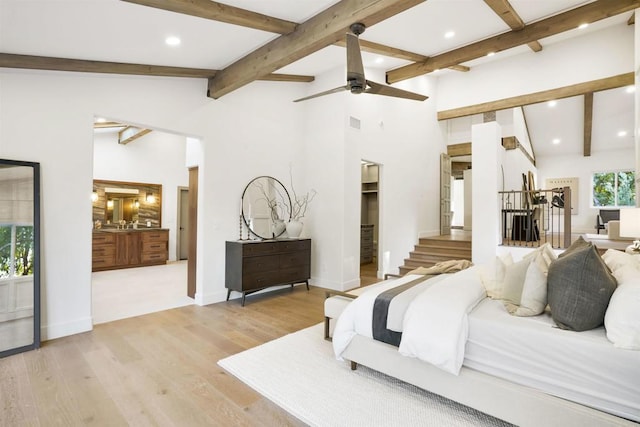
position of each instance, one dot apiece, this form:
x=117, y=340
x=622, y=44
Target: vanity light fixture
x=110, y=203
x=94, y=195
x=150, y=198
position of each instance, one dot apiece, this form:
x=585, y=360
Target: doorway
x=369, y=221
x=126, y=292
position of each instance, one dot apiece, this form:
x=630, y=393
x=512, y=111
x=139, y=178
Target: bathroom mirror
x=19, y=256
x=266, y=206
x=115, y=201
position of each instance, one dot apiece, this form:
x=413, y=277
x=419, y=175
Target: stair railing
x=533, y=218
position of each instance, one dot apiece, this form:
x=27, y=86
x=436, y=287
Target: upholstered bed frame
x=508, y=401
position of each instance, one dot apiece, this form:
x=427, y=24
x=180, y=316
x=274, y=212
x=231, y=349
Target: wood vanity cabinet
x=252, y=265
x=132, y=248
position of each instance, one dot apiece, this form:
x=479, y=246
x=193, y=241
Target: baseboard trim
x=59, y=330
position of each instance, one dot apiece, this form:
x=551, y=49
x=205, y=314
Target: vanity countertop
x=119, y=230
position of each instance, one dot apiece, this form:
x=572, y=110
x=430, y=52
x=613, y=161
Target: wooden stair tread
x=431, y=250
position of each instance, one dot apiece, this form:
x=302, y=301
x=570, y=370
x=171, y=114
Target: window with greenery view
x=16, y=250
x=613, y=189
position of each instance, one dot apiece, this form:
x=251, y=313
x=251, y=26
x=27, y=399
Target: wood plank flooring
x=159, y=369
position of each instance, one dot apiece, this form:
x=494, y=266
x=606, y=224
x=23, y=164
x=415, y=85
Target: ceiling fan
x=356, y=81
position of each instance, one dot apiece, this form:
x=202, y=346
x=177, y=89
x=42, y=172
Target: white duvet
x=435, y=325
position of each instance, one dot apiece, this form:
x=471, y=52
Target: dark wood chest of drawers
x=254, y=265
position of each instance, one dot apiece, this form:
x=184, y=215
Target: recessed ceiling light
x=552, y=103
x=491, y=53
x=556, y=141
x=622, y=133
x=583, y=26
x=172, y=41
x=449, y=34
x=379, y=60
x=630, y=89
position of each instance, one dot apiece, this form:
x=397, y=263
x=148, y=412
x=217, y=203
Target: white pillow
x=622, y=319
x=618, y=260
x=492, y=276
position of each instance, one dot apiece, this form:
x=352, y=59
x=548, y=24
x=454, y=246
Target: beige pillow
x=513, y=283
x=530, y=297
x=492, y=276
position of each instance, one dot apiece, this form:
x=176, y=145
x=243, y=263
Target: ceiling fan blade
x=380, y=89
x=355, y=69
x=326, y=92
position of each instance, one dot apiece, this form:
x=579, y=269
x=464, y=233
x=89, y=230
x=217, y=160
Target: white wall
x=256, y=130
x=583, y=167
x=155, y=158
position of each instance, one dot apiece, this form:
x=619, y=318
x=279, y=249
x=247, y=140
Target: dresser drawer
x=154, y=257
x=103, y=261
x=294, y=259
x=103, y=250
x=257, y=264
x=154, y=246
x=155, y=236
x=103, y=237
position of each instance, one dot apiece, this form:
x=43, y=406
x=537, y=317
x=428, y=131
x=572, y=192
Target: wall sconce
x=110, y=203
x=150, y=198
x=136, y=204
x=94, y=195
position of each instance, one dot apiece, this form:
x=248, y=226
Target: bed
x=524, y=370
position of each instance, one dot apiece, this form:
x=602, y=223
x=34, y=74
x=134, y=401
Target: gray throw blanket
x=381, y=332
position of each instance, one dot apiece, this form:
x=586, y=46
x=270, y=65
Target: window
x=16, y=250
x=613, y=189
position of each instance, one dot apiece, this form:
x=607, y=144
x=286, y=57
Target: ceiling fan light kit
x=356, y=80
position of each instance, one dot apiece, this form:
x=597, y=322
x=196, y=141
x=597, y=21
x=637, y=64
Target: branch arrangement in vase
x=299, y=204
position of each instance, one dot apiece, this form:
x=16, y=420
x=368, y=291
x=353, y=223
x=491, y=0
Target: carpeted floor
x=300, y=373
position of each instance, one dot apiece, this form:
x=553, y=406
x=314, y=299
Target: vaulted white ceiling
x=119, y=31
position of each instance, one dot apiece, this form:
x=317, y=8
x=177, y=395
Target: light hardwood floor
x=157, y=369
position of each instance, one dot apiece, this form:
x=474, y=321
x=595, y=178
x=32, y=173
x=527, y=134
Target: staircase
x=431, y=250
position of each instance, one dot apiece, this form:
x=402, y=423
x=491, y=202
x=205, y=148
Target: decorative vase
x=278, y=227
x=294, y=228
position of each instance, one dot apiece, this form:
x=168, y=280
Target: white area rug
x=300, y=373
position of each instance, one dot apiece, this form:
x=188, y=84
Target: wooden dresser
x=253, y=265
x=129, y=248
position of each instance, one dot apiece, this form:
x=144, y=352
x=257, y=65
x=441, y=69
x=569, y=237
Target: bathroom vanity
x=117, y=248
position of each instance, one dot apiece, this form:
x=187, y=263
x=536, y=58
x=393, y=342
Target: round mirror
x=266, y=206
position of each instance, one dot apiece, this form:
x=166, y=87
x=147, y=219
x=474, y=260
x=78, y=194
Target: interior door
x=445, y=194
x=193, y=232
x=183, y=224
x=19, y=256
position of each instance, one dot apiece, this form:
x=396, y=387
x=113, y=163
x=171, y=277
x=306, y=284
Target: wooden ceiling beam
x=215, y=11
x=588, y=122
x=320, y=31
x=543, y=96
x=508, y=14
x=556, y=24
x=8, y=60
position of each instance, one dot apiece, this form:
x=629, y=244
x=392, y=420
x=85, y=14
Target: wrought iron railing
x=533, y=218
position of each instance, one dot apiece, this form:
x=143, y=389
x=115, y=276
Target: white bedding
x=580, y=366
x=435, y=325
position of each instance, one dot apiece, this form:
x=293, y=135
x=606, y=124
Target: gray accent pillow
x=578, y=244
x=580, y=286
